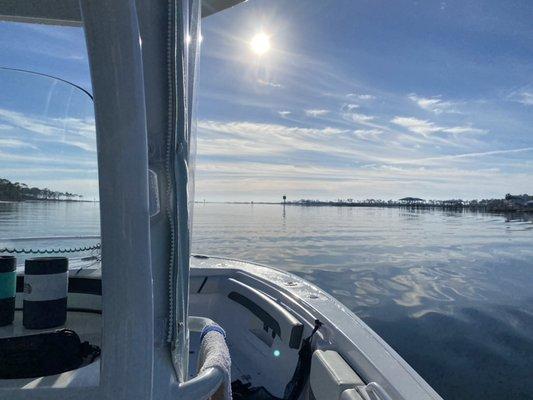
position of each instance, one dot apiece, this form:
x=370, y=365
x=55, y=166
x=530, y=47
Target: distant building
x=412, y=200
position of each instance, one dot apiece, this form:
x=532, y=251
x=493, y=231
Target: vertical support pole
x=114, y=48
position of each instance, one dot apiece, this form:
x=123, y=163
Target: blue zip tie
x=212, y=328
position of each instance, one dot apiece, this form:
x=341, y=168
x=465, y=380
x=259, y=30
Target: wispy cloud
x=426, y=128
x=361, y=96
x=284, y=113
x=46, y=159
x=467, y=155
x=361, y=118
x=368, y=134
x=22, y=121
x=463, y=129
x=14, y=143
x=251, y=139
x=525, y=98
x=45, y=125
x=78, y=132
x=316, y=113
x=349, y=107
x=416, y=125
x=434, y=104
x=251, y=129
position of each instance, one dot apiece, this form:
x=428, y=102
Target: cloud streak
x=361, y=96
x=14, y=143
x=467, y=155
x=359, y=118
x=426, y=128
x=434, y=104
x=526, y=98
x=315, y=113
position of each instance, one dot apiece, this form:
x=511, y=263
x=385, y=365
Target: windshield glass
x=48, y=168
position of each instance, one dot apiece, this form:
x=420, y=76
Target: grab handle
x=207, y=382
x=202, y=386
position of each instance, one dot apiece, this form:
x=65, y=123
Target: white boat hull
x=264, y=332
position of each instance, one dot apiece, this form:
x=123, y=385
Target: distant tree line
x=16, y=191
x=508, y=204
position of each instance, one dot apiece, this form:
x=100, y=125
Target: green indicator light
x=277, y=353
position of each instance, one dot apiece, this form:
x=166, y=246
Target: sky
x=355, y=99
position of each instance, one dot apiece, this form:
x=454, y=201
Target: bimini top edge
x=67, y=12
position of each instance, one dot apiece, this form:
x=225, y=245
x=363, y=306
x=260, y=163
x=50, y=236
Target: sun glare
x=260, y=43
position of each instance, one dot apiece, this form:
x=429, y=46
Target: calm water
x=451, y=292
x=41, y=219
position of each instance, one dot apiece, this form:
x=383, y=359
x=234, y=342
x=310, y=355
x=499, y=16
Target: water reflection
x=469, y=353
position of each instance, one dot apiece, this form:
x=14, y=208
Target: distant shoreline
x=421, y=207
x=47, y=201
x=496, y=209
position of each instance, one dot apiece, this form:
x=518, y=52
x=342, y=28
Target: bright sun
x=260, y=43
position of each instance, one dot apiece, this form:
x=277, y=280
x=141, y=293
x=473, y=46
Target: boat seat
x=332, y=378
